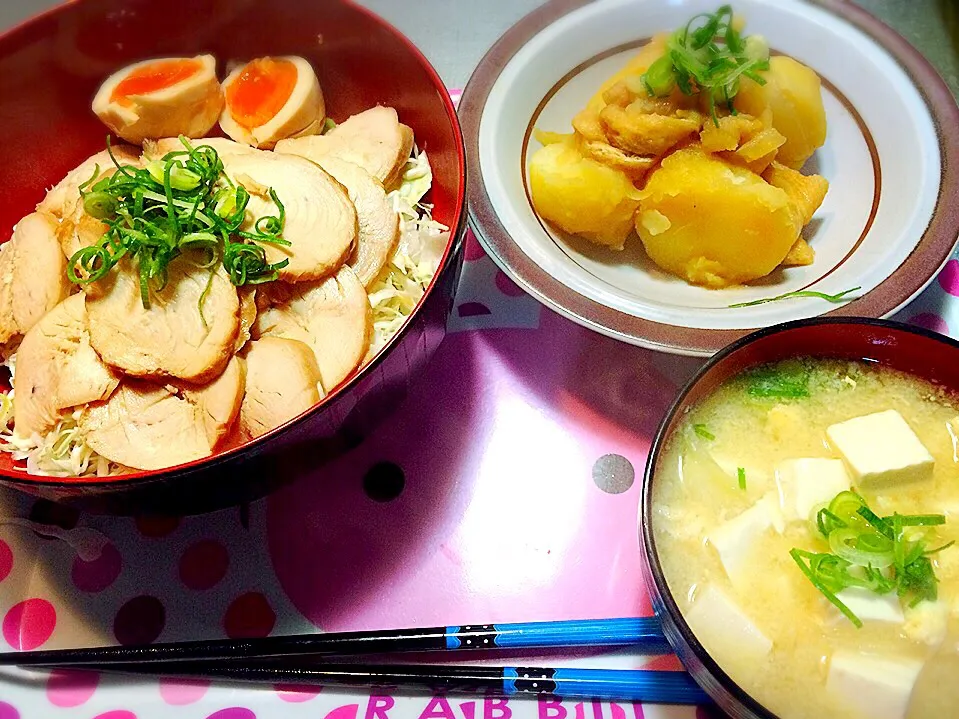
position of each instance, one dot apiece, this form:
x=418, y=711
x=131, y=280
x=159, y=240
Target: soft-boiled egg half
x=166, y=97
x=270, y=99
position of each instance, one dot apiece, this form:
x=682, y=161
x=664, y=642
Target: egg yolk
x=153, y=77
x=260, y=91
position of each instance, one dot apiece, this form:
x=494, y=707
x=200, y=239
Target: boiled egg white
x=270, y=99
x=158, y=98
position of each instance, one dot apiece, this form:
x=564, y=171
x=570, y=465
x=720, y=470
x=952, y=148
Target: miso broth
x=752, y=607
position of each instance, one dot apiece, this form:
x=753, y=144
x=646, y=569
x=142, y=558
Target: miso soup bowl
x=919, y=352
x=50, y=69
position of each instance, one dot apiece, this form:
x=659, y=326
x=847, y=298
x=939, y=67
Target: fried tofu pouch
x=793, y=94
x=580, y=195
x=715, y=224
x=587, y=122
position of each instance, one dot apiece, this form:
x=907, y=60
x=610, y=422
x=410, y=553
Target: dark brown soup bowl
x=919, y=352
x=50, y=68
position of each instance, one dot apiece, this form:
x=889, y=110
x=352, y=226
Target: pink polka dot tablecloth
x=505, y=489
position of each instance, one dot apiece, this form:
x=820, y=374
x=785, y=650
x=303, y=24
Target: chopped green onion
x=100, y=205
x=898, y=546
x=870, y=552
x=797, y=555
x=779, y=382
x=826, y=521
x=660, y=79
x=921, y=520
x=846, y=506
x=857, y=548
x=878, y=522
x=182, y=203
x=835, y=299
x=755, y=48
x=180, y=177
x=708, y=55
x=741, y=476
x=703, y=432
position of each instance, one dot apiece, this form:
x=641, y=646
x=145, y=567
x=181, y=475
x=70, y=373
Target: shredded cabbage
x=396, y=292
x=63, y=452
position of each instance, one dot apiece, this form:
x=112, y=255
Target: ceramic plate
x=888, y=224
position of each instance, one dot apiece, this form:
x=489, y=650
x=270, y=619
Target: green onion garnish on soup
x=870, y=552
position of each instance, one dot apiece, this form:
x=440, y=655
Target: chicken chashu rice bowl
x=169, y=300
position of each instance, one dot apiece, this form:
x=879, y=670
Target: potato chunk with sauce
x=793, y=93
x=581, y=195
x=712, y=223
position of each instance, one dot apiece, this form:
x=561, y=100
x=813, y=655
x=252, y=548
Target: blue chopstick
x=644, y=634
x=634, y=685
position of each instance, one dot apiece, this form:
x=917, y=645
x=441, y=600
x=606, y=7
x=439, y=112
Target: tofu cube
x=808, y=482
x=717, y=621
x=881, y=450
x=734, y=539
x=773, y=506
x=878, y=687
x=756, y=477
x=871, y=607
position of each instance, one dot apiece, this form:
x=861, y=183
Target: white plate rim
x=913, y=275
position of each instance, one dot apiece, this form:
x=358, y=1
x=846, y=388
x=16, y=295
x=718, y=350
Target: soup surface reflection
x=849, y=613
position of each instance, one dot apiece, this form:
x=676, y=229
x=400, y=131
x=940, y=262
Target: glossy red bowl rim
x=709, y=674
x=457, y=230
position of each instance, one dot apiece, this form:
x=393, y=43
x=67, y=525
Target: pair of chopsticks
x=285, y=660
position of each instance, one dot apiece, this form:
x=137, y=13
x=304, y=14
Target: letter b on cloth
x=496, y=709
x=551, y=709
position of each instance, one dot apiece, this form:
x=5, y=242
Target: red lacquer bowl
x=913, y=350
x=50, y=69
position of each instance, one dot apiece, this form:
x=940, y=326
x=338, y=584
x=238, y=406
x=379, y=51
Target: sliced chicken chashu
x=375, y=140
x=149, y=426
x=58, y=369
x=33, y=277
x=156, y=149
x=171, y=338
x=282, y=380
x=379, y=224
x=248, y=311
x=320, y=220
x=64, y=199
x=333, y=317
x=79, y=231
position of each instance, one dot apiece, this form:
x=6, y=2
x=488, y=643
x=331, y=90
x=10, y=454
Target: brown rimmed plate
x=888, y=224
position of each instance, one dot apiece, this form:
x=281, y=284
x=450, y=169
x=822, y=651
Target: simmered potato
x=713, y=223
x=793, y=92
x=716, y=200
x=581, y=195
